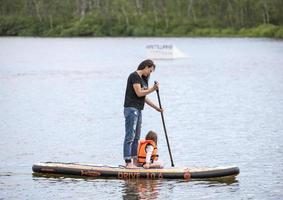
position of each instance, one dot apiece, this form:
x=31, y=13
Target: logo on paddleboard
x=89, y=172
x=47, y=170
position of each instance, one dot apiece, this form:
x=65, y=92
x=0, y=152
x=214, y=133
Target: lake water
x=62, y=100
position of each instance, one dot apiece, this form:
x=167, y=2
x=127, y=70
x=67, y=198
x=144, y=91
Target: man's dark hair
x=145, y=63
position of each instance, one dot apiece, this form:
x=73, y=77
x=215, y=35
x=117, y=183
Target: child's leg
x=156, y=164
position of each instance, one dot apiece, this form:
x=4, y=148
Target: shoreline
x=261, y=31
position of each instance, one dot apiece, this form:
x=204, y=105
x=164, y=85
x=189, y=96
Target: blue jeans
x=133, y=120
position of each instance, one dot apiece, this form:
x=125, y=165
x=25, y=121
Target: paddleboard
x=120, y=172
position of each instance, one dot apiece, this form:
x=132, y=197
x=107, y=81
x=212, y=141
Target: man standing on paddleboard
x=135, y=97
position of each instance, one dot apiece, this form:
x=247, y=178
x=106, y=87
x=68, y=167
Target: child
x=147, y=152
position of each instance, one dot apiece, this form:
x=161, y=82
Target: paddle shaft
x=168, y=145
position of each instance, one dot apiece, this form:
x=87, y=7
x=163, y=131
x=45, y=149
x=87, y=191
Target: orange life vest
x=142, y=151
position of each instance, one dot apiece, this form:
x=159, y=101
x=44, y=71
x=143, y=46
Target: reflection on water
x=141, y=189
x=219, y=181
x=154, y=189
x=137, y=188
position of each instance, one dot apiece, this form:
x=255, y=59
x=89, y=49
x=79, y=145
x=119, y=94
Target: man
x=135, y=97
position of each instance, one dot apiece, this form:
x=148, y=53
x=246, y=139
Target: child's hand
x=146, y=165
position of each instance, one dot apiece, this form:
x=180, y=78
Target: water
x=62, y=100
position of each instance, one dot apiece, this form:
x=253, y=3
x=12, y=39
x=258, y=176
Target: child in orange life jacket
x=147, y=151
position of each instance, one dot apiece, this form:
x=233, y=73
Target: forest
x=142, y=18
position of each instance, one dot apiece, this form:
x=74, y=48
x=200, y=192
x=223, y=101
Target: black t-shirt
x=131, y=98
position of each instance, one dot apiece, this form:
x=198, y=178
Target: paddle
x=168, y=145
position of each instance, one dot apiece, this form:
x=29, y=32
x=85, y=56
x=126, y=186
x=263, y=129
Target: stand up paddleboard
x=120, y=172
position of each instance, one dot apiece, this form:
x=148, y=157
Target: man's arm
x=141, y=92
x=151, y=104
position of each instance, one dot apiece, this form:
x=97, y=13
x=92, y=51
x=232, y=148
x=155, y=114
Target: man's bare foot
x=130, y=166
x=135, y=161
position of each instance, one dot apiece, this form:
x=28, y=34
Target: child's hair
x=151, y=136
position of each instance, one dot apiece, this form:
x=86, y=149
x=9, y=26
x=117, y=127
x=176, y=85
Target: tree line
x=263, y=18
